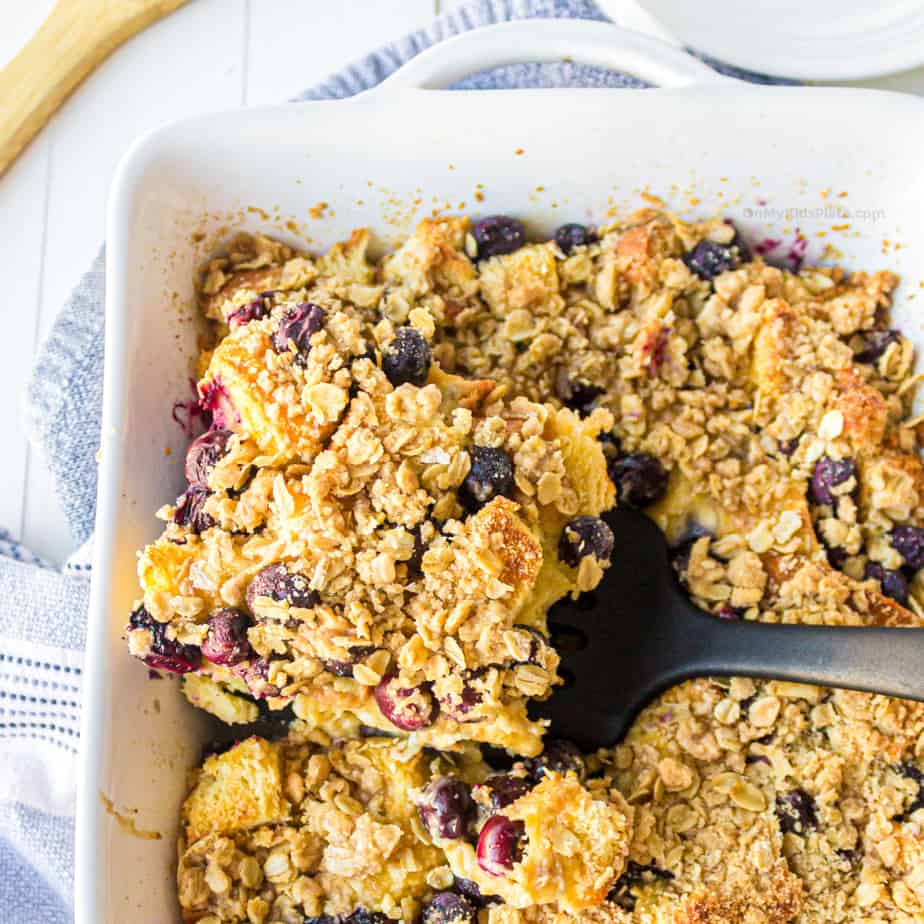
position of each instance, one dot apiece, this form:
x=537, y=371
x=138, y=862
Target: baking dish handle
x=528, y=40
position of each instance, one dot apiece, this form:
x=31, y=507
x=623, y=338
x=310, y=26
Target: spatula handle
x=874, y=659
x=76, y=37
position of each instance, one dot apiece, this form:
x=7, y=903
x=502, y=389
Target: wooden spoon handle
x=77, y=36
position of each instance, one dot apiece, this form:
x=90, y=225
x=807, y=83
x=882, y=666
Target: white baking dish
x=383, y=159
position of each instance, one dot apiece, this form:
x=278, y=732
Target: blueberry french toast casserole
x=405, y=465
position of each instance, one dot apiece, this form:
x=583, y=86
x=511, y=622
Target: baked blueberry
x=361, y=916
x=459, y=705
x=226, y=641
x=284, y=586
x=252, y=311
x=216, y=403
x=190, y=509
x=166, y=654
x=573, y=235
x=875, y=343
x=255, y=675
x=636, y=875
x=504, y=788
x=538, y=645
x=446, y=808
x=498, y=234
x=473, y=893
x=640, y=478
x=406, y=358
x=297, y=326
x=796, y=812
x=829, y=473
x=576, y=393
x=345, y=668
x=558, y=756
x=908, y=541
x=894, y=584
x=709, y=259
x=583, y=537
x=407, y=708
x=449, y=908
x=203, y=454
x=490, y=475
x=500, y=845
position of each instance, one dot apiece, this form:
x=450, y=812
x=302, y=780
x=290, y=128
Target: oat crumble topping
x=400, y=454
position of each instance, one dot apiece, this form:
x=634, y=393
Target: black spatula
x=637, y=634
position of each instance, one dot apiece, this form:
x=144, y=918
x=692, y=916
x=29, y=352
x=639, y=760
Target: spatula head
x=621, y=644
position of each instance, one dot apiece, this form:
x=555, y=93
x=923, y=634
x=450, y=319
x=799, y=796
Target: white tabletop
x=210, y=54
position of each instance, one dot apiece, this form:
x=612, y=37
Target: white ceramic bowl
x=383, y=159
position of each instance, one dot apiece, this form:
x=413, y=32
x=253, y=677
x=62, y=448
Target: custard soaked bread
x=407, y=464
x=366, y=536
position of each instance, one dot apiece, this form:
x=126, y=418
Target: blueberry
x=345, y=668
x=361, y=916
x=226, y=641
x=256, y=676
x=297, y=326
x=449, y=908
x=500, y=845
x=490, y=475
x=407, y=358
x=497, y=235
x=836, y=556
x=788, y=447
x=458, y=706
x=204, y=453
x=829, y=473
x=894, y=584
x=908, y=541
x=636, y=874
x=911, y=772
x=583, y=537
x=190, y=509
x=407, y=708
x=709, y=259
x=538, y=645
x=216, y=402
x=682, y=547
x=252, y=311
x=575, y=393
x=729, y=612
x=558, y=756
x=473, y=893
x=446, y=808
x=640, y=479
x=876, y=342
x=505, y=788
x=166, y=654
x=573, y=235
x=796, y=812
x=283, y=586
